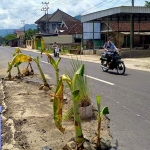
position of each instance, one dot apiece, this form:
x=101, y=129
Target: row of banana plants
x=19, y=57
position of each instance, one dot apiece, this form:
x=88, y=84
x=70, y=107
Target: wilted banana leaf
x=58, y=102
x=57, y=106
x=55, y=65
x=67, y=79
x=52, y=61
x=17, y=51
x=19, y=59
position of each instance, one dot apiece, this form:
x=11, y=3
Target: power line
x=94, y=7
x=97, y=5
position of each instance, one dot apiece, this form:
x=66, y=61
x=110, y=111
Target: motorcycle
x=114, y=63
x=56, y=52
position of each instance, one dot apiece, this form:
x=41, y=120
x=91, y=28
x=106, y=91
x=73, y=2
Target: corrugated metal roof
x=115, y=10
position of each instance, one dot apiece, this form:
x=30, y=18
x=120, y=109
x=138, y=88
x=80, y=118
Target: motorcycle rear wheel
x=104, y=63
x=121, y=68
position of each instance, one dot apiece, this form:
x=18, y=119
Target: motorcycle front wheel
x=121, y=68
x=104, y=63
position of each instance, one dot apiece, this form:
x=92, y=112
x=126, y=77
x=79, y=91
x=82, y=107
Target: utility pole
x=132, y=28
x=133, y=3
x=23, y=22
x=46, y=15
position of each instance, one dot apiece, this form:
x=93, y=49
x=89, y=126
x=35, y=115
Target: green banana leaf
x=104, y=111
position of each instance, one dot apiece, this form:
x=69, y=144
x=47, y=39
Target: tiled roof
x=73, y=25
x=43, y=18
x=126, y=26
x=76, y=28
x=59, y=15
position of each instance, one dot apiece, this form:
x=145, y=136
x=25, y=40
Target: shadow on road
x=116, y=146
x=115, y=73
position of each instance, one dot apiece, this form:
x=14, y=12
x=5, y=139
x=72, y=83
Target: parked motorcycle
x=114, y=63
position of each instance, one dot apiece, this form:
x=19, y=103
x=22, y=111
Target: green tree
x=29, y=34
x=1, y=39
x=147, y=4
x=10, y=37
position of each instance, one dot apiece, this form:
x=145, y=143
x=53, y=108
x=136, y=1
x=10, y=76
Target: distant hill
x=78, y=17
x=29, y=26
x=4, y=32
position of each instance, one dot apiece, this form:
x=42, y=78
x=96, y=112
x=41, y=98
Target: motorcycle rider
x=109, y=48
x=55, y=49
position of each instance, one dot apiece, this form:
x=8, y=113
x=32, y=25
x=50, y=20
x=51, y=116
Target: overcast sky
x=13, y=11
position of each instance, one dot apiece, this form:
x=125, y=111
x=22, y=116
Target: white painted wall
x=58, y=39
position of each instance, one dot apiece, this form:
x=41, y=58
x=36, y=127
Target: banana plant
x=41, y=72
x=55, y=65
x=20, y=58
x=102, y=112
x=16, y=52
x=57, y=105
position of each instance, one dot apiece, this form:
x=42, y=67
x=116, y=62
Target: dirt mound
x=28, y=119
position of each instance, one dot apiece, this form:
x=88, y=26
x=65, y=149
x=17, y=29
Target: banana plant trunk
x=99, y=129
x=77, y=120
x=57, y=75
x=41, y=72
x=9, y=75
x=18, y=70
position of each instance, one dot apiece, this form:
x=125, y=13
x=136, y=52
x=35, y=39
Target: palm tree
x=147, y=4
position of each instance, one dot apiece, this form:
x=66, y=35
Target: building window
x=91, y=35
x=91, y=31
x=53, y=26
x=59, y=25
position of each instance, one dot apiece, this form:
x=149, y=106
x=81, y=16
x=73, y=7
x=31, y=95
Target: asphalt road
x=127, y=96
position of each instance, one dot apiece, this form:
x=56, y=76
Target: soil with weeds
x=27, y=118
